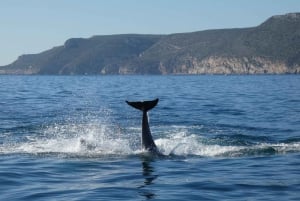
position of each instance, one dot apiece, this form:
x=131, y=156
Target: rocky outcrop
x=233, y=65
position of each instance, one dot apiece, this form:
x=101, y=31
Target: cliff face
x=231, y=65
x=244, y=65
x=272, y=47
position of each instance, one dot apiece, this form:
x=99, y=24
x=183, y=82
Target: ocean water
x=223, y=137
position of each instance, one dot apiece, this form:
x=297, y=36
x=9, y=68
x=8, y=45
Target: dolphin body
x=147, y=141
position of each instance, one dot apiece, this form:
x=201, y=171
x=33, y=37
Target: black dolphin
x=147, y=141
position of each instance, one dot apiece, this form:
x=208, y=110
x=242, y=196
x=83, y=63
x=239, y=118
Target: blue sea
x=222, y=137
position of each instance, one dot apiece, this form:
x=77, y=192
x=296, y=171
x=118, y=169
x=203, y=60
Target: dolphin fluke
x=143, y=105
x=147, y=141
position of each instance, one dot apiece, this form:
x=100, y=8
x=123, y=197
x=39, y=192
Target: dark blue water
x=223, y=137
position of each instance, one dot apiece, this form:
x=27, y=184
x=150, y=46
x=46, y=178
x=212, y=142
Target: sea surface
x=222, y=137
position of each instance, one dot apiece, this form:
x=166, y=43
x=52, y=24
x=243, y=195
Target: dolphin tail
x=143, y=105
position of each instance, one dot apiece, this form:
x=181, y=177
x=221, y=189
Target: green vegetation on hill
x=272, y=47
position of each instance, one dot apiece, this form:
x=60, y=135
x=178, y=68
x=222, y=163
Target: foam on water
x=193, y=145
x=91, y=139
x=98, y=139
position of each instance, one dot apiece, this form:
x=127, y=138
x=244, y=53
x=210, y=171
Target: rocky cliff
x=270, y=48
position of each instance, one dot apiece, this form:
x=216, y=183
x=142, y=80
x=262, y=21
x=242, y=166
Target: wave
x=193, y=145
x=104, y=140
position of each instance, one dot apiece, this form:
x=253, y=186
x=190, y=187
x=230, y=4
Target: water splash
x=92, y=139
x=102, y=139
x=182, y=144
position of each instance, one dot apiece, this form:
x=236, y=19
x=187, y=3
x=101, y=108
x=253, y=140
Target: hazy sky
x=32, y=26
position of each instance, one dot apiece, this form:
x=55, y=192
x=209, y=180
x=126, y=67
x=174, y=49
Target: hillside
x=272, y=47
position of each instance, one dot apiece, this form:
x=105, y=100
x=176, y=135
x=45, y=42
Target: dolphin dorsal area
x=147, y=140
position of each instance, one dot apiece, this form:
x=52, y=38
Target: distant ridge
x=270, y=48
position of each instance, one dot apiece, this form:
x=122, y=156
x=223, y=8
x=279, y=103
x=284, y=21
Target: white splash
x=184, y=145
x=98, y=139
x=90, y=140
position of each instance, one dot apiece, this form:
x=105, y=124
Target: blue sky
x=32, y=26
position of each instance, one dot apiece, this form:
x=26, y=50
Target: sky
x=33, y=26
